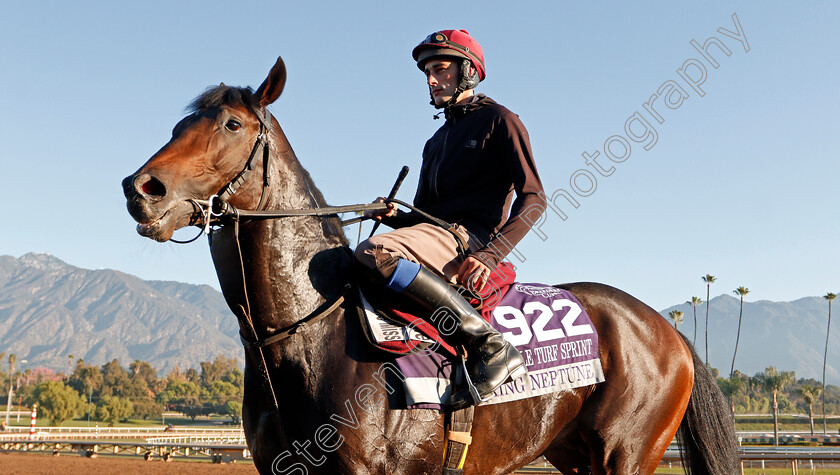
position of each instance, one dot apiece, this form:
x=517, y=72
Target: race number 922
x=541, y=314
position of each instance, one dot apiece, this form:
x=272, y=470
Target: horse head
x=208, y=150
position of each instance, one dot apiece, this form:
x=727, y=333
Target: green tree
x=57, y=401
x=695, y=301
x=741, y=291
x=192, y=376
x=709, y=280
x=810, y=395
x=113, y=409
x=676, y=316
x=143, y=388
x=147, y=408
x=829, y=296
x=87, y=380
x=143, y=371
x=214, y=371
x=773, y=381
x=183, y=396
x=732, y=387
x=236, y=378
x=234, y=410
x=115, y=379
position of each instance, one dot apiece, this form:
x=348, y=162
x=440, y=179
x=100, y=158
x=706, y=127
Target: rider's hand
x=380, y=213
x=473, y=274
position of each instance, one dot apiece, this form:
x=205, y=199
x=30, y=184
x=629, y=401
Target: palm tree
x=741, y=291
x=829, y=296
x=709, y=280
x=810, y=395
x=695, y=301
x=12, y=359
x=773, y=381
x=676, y=316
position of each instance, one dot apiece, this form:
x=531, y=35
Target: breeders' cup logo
x=537, y=291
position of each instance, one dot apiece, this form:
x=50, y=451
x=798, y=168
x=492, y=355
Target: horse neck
x=290, y=265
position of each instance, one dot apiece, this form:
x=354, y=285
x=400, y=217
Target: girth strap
x=458, y=440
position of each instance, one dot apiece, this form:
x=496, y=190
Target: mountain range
x=787, y=335
x=50, y=309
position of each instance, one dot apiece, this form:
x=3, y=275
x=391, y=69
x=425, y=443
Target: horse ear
x=273, y=85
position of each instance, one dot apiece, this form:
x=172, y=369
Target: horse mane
x=334, y=222
x=224, y=95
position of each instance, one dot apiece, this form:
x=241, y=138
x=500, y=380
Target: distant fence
x=228, y=445
x=97, y=433
x=789, y=439
x=219, y=445
x=188, y=439
x=217, y=453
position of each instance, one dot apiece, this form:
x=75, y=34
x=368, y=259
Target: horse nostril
x=150, y=186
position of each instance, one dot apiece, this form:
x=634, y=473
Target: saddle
x=392, y=323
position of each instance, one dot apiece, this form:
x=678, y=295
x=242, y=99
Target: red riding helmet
x=457, y=43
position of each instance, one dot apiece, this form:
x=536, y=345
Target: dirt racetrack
x=32, y=464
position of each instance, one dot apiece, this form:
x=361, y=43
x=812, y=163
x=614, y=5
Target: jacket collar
x=457, y=112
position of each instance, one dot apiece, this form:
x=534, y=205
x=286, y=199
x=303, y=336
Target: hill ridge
x=50, y=309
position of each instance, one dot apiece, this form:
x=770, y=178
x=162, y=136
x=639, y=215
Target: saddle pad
x=547, y=325
x=392, y=324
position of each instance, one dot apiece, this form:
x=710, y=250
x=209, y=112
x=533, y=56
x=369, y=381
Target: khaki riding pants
x=431, y=246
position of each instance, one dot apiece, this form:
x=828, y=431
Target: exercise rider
x=472, y=168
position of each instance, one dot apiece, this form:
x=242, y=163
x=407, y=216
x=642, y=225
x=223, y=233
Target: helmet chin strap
x=451, y=102
x=465, y=81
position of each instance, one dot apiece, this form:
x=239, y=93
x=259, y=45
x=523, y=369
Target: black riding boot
x=491, y=360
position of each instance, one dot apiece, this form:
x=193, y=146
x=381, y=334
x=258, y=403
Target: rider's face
x=442, y=79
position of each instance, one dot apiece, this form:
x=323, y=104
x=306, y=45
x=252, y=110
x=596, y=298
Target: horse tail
x=708, y=445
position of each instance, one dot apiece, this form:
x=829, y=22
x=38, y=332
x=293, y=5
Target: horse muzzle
x=157, y=212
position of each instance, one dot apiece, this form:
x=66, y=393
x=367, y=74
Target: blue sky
x=741, y=182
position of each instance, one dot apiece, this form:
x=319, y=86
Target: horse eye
x=233, y=125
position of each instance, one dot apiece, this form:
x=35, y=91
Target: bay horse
x=328, y=383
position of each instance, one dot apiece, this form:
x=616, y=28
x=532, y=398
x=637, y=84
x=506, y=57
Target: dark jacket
x=471, y=169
